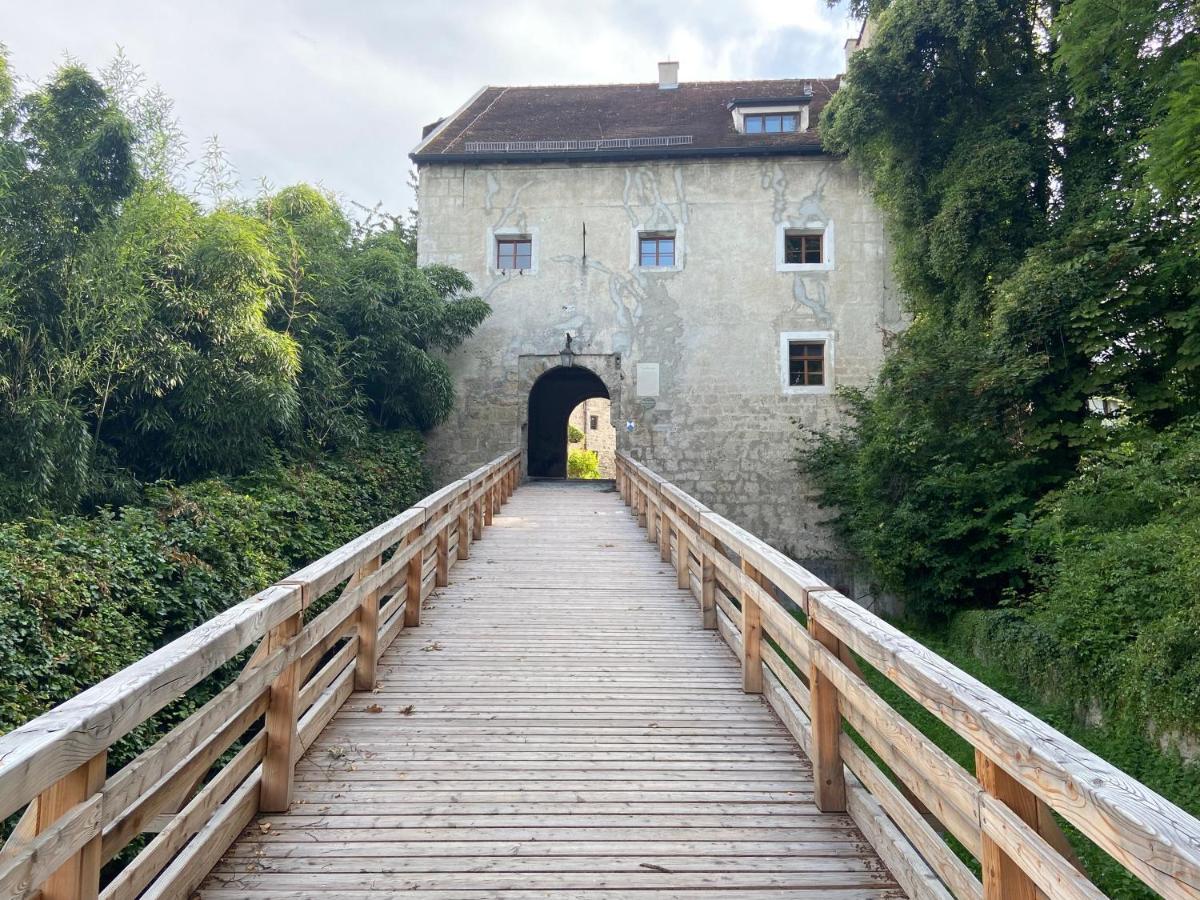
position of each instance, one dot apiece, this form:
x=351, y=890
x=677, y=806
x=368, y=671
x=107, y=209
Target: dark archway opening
x=551, y=400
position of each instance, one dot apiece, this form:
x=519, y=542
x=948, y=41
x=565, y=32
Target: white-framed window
x=806, y=362
x=657, y=249
x=780, y=118
x=804, y=247
x=512, y=251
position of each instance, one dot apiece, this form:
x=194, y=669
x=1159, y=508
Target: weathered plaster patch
x=818, y=305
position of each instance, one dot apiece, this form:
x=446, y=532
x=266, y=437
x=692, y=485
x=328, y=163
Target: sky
x=335, y=93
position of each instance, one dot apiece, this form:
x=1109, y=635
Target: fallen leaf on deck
x=374, y=708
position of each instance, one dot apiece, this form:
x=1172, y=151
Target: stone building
x=686, y=250
x=593, y=418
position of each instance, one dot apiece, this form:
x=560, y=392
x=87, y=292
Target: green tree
x=66, y=165
x=1045, y=258
x=205, y=384
x=144, y=335
x=369, y=318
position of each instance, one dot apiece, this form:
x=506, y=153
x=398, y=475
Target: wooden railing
x=188, y=789
x=1024, y=769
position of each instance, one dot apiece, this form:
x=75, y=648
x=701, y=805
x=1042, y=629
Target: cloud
x=336, y=94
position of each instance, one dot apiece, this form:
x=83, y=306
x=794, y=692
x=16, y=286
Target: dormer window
x=777, y=115
x=769, y=123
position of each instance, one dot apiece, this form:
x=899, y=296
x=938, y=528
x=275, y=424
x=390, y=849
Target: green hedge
x=83, y=597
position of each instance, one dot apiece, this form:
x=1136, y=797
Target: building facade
x=687, y=251
x=593, y=418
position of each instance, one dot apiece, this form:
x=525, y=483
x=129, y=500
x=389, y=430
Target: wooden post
x=683, y=571
x=496, y=501
x=654, y=522
x=708, y=588
x=441, y=570
x=79, y=877
x=278, y=773
x=1003, y=878
x=752, y=668
x=643, y=518
x=368, y=632
x=477, y=519
x=489, y=510
x=464, y=533
x=829, y=779
x=664, y=531
x=412, y=584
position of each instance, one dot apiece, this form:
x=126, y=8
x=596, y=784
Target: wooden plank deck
x=559, y=725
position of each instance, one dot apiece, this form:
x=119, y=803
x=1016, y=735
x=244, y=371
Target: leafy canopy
x=1036, y=166
x=144, y=334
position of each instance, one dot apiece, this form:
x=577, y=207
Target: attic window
x=769, y=123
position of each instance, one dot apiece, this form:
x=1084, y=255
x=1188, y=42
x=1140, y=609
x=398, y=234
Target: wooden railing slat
x=42, y=751
x=29, y=863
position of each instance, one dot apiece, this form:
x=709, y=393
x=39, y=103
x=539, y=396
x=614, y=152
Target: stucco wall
x=722, y=426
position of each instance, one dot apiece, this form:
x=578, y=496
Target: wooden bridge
x=568, y=720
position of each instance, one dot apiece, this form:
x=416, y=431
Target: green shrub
x=574, y=435
x=83, y=597
x=583, y=464
x=1115, y=558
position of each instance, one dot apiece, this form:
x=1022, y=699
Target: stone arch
x=555, y=392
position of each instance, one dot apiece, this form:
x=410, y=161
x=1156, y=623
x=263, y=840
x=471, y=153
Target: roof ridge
x=654, y=84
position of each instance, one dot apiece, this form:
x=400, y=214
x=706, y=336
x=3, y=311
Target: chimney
x=668, y=76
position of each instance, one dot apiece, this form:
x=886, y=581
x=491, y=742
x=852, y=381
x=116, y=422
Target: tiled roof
x=694, y=115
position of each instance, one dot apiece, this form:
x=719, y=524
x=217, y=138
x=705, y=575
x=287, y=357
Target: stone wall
x=691, y=356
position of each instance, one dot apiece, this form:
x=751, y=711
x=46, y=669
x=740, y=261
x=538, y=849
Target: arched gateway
x=551, y=399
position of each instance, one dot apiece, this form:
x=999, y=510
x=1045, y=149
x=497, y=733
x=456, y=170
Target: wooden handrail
x=1023, y=765
x=77, y=816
